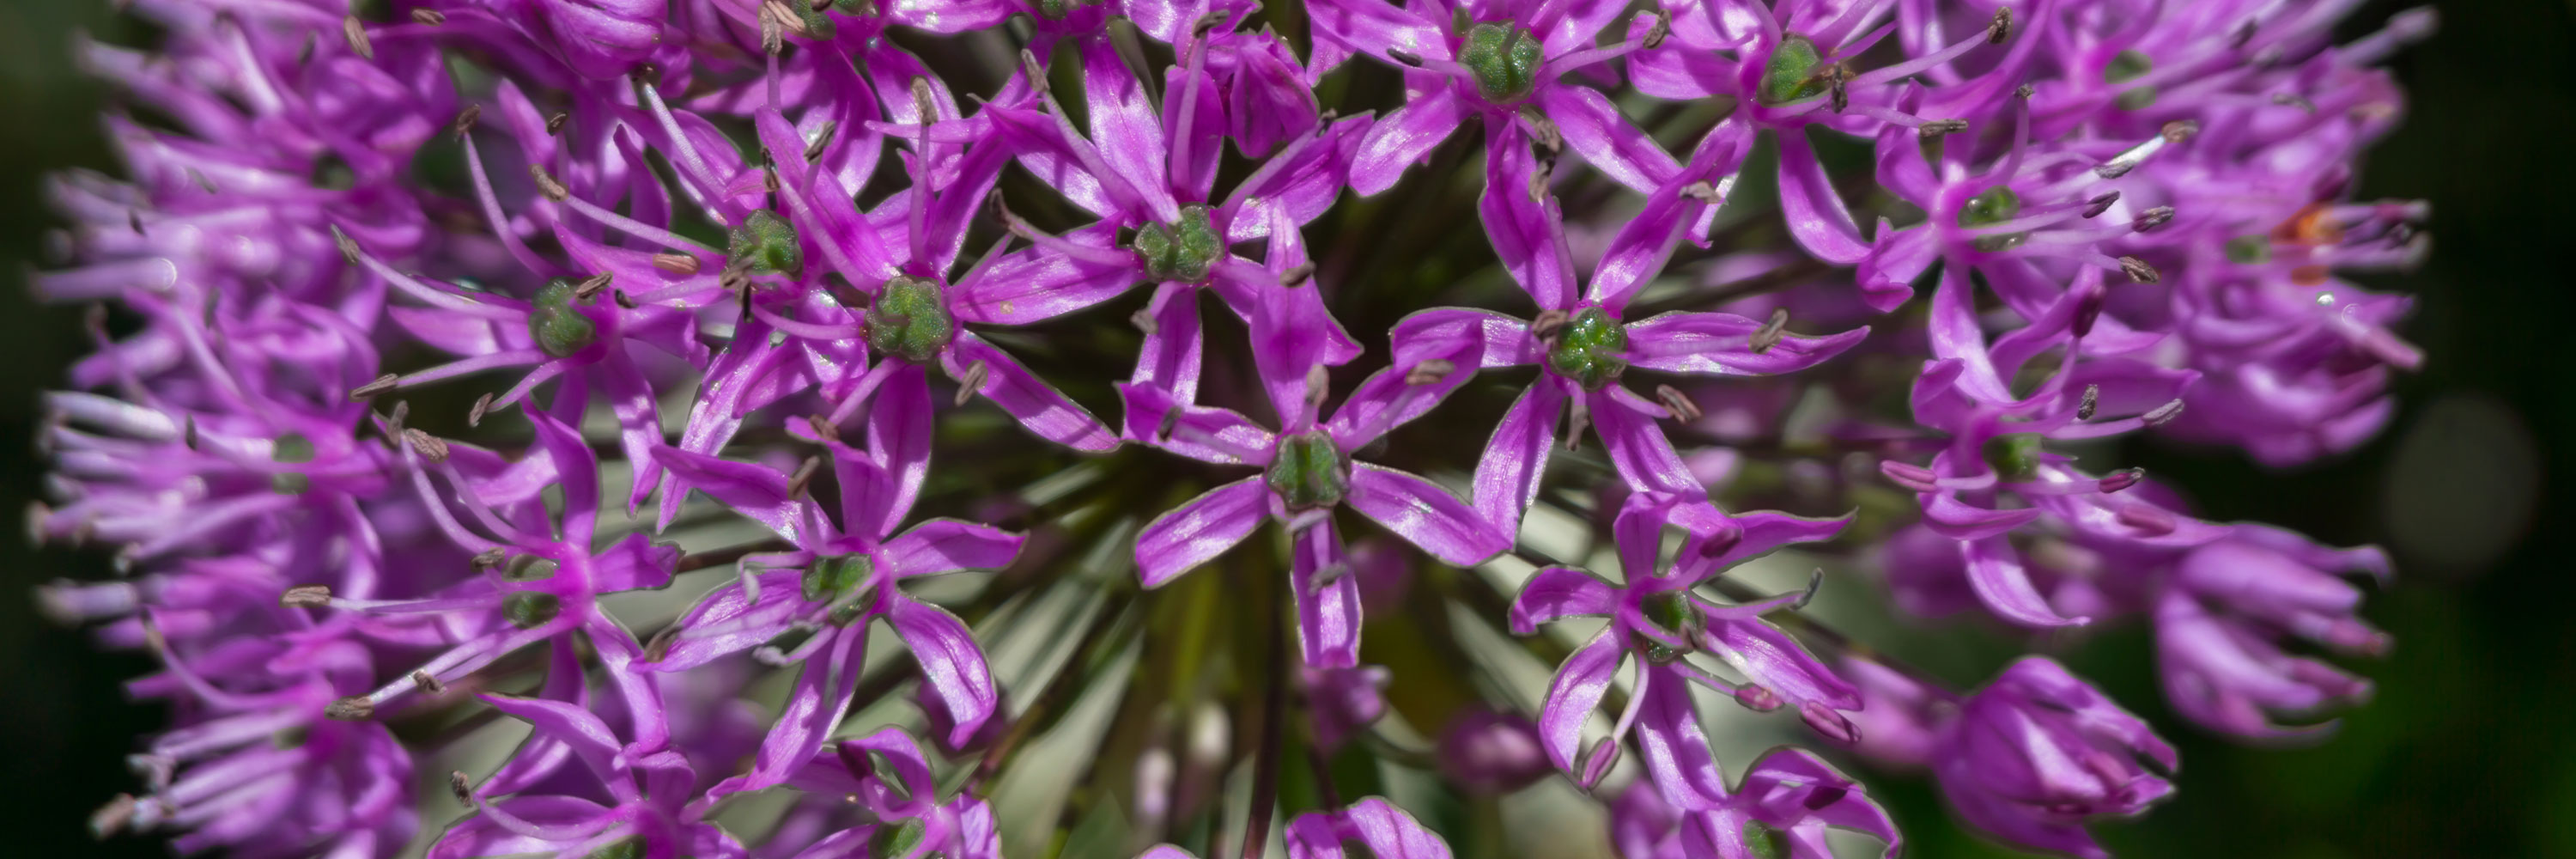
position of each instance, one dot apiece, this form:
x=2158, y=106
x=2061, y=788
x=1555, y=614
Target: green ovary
x=1308, y=472
x=1997, y=205
x=765, y=244
x=1791, y=75
x=559, y=328
x=1183, y=250
x=291, y=448
x=1503, y=58
x=1591, y=349
x=910, y=320
x=2015, y=456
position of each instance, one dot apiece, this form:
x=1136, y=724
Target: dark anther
x=348, y=246
x=1429, y=372
x=465, y=119
x=482, y=406
x=1939, y=127
x=1657, y=32
x=2000, y=28
x=1297, y=275
x=2138, y=270
x=2179, y=130
x=823, y=427
x=430, y=447
x=822, y=139
x=428, y=17
x=2096, y=206
x=2092, y=397
x=2152, y=219
x=426, y=683
x=555, y=123
x=1677, y=404
x=1547, y=323
x=680, y=264
x=356, y=33
x=355, y=708
x=804, y=476
x=459, y=787
x=1405, y=57
x=305, y=596
x=591, y=287
x=382, y=384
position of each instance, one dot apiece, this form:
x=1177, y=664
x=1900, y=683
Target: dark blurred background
x=2465, y=752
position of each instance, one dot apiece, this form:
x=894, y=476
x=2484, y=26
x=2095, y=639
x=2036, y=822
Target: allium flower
x=1657, y=617
x=347, y=239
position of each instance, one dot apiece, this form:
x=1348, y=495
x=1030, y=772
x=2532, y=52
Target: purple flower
x=1500, y=61
x=1584, y=348
x=2037, y=753
x=1376, y=824
x=1344, y=701
x=647, y=788
x=1657, y=616
x=2220, y=629
x=1486, y=752
x=886, y=780
x=1781, y=809
x=814, y=604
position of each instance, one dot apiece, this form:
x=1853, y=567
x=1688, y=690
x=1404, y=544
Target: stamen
x=2152, y=219
x=680, y=264
x=1298, y=274
x=1429, y=372
x=1578, y=417
x=2096, y=206
x=2001, y=27
x=555, y=123
x=2138, y=270
x=1769, y=334
x=804, y=476
x=547, y=185
x=355, y=708
x=1677, y=404
x=2163, y=414
x=1938, y=127
x=369, y=390
x=356, y=32
x=1658, y=31
x=427, y=683
x=459, y=787
x=1319, y=384
x=465, y=119
x=428, y=17
x=305, y=596
x=2092, y=397
x=429, y=447
x=482, y=406
x=2122, y=479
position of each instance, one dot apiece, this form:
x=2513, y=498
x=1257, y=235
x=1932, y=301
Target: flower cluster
x=720, y=260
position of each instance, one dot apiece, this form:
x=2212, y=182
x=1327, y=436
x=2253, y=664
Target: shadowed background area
x=2464, y=751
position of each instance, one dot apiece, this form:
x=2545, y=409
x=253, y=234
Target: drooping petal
x=949, y=545
x=1327, y=597
x=1515, y=461
x=1594, y=129
x=1721, y=344
x=1557, y=592
x=1574, y=694
x=1424, y=514
x=751, y=490
x=1201, y=529
x=1816, y=214
x=1404, y=137
x=1996, y=572
x=1672, y=742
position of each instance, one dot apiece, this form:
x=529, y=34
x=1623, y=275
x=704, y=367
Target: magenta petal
x=1423, y=514
x=480, y=836
x=1170, y=356
x=1527, y=234
x=1125, y=125
x=726, y=621
x=1672, y=742
x=1792, y=785
x=751, y=490
x=1594, y=129
x=576, y=471
x=1995, y=571
x=1817, y=217
x=1404, y=137
x=1327, y=598
x=1639, y=450
x=1720, y=344
x=1640, y=248
x=1038, y=406
x=1557, y=592
x=1507, y=479
x=1423, y=334
x=1771, y=659
x=950, y=662
x=1208, y=435
x=1574, y=694
x=1386, y=831
x=814, y=707
x=1373, y=27
x=1200, y=529
x=899, y=436
x=589, y=738
x=949, y=545
x=1035, y=284
x=633, y=563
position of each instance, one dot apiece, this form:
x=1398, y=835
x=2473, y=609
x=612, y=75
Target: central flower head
x=1182, y=250
x=559, y=328
x=2014, y=455
x=764, y=243
x=1670, y=612
x=1996, y=205
x=1504, y=58
x=1589, y=349
x=839, y=582
x=1308, y=471
x=1793, y=75
x=910, y=320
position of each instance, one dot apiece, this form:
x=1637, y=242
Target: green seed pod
x=1994, y=206
x=1591, y=349
x=531, y=609
x=559, y=328
x=1308, y=472
x=291, y=448
x=1504, y=60
x=2014, y=455
x=767, y=245
x=1791, y=75
x=1183, y=250
x=910, y=320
